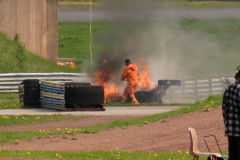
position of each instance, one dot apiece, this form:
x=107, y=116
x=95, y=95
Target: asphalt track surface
x=77, y=15
x=132, y=110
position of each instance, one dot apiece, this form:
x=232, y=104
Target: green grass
x=202, y=105
x=79, y=0
x=9, y=96
x=205, y=4
x=78, y=6
x=10, y=101
x=35, y=119
x=195, y=4
x=15, y=58
x=97, y=155
x=10, y=104
x=73, y=42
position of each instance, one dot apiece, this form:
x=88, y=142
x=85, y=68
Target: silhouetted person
x=231, y=116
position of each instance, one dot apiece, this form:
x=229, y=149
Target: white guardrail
x=189, y=91
x=9, y=82
x=197, y=89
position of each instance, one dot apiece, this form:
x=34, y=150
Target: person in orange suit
x=131, y=74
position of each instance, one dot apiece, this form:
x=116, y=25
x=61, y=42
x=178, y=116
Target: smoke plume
x=170, y=51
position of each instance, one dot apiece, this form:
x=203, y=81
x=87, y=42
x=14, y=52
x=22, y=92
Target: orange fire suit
x=131, y=74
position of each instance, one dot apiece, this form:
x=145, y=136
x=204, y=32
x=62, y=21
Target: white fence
x=9, y=82
x=197, y=89
x=189, y=91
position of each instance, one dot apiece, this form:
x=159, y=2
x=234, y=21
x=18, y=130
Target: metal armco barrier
x=10, y=82
x=197, y=89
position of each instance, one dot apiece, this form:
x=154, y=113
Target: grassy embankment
x=15, y=58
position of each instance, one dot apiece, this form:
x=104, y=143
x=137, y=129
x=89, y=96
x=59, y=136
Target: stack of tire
x=71, y=95
x=29, y=93
x=52, y=95
x=83, y=95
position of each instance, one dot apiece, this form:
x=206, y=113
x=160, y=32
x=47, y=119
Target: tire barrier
x=84, y=95
x=29, y=93
x=69, y=96
x=65, y=96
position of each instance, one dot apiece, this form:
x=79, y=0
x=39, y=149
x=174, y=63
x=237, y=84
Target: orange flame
x=103, y=78
x=111, y=89
x=144, y=82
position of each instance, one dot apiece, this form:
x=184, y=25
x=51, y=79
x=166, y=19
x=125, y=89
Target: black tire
x=74, y=84
x=32, y=105
x=27, y=94
x=32, y=90
x=84, y=95
x=30, y=81
x=142, y=96
x=31, y=86
x=100, y=94
x=30, y=97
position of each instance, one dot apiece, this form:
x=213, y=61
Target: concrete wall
x=36, y=22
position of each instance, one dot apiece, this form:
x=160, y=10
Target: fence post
x=183, y=89
x=196, y=89
x=210, y=86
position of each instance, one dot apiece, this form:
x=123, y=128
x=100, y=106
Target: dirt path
x=168, y=136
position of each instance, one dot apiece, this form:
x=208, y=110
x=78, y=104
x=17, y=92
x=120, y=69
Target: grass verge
x=97, y=155
x=35, y=119
x=10, y=101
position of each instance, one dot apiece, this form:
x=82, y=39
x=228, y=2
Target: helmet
x=127, y=61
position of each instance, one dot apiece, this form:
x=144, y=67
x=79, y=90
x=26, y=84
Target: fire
x=104, y=77
x=144, y=82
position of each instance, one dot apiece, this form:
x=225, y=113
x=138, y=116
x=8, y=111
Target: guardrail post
x=210, y=86
x=183, y=89
x=196, y=89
